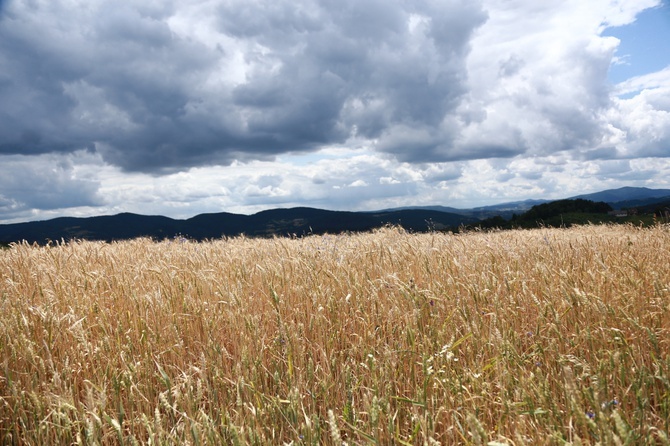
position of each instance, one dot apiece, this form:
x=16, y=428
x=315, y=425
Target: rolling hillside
x=295, y=221
x=300, y=220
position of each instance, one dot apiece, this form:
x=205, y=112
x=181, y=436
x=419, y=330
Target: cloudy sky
x=180, y=107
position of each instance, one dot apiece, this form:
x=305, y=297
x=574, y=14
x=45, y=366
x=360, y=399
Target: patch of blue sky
x=644, y=46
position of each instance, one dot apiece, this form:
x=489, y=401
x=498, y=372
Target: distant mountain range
x=295, y=221
x=505, y=210
x=627, y=194
x=298, y=221
x=622, y=198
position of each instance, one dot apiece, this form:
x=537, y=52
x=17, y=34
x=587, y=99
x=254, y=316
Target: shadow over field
x=546, y=336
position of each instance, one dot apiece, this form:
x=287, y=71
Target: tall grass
x=549, y=336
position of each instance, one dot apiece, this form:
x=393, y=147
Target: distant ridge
x=297, y=221
x=624, y=197
x=626, y=194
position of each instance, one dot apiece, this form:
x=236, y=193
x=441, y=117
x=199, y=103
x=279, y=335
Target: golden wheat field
x=549, y=336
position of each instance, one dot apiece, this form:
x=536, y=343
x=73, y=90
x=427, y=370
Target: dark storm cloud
x=266, y=78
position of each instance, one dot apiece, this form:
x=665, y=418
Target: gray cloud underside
x=123, y=80
x=163, y=86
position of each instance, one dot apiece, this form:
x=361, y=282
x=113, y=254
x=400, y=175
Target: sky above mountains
x=185, y=107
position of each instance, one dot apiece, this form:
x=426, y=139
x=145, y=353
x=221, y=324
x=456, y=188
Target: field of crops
x=547, y=336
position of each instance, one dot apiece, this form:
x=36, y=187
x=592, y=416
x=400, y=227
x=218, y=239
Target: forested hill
x=296, y=221
x=554, y=208
x=563, y=213
x=634, y=205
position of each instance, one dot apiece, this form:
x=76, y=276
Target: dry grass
x=523, y=337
